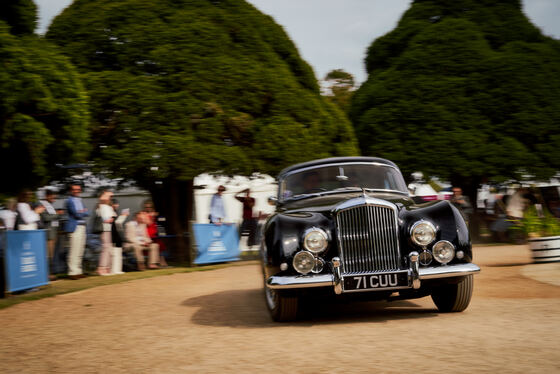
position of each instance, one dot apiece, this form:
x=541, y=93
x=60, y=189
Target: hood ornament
x=365, y=199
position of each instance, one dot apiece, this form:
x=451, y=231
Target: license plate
x=376, y=281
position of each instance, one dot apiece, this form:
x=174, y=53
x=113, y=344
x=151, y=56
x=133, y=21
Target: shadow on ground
x=246, y=308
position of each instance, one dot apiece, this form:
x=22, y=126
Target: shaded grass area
x=65, y=285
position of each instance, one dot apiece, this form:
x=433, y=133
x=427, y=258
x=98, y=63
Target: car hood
x=326, y=203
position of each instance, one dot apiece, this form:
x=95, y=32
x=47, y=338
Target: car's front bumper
x=332, y=280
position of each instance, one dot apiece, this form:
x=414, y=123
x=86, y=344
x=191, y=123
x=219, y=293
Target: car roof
x=335, y=160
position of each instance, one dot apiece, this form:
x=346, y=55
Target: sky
x=335, y=34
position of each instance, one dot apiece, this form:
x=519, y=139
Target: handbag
x=97, y=227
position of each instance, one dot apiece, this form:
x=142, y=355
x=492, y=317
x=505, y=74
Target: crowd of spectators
x=67, y=231
x=120, y=235
x=502, y=214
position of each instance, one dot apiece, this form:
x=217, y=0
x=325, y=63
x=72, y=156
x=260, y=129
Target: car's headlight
x=423, y=233
x=315, y=240
x=443, y=251
x=304, y=262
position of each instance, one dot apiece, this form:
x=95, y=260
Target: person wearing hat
x=217, y=210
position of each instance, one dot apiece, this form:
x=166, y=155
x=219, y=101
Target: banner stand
x=216, y=243
x=25, y=259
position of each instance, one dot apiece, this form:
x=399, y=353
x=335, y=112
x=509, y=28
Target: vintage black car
x=347, y=228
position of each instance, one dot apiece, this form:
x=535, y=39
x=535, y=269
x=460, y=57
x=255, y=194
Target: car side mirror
x=272, y=200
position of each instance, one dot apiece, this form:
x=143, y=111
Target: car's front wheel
x=281, y=307
x=454, y=297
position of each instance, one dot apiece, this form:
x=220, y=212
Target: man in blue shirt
x=75, y=227
x=217, y=210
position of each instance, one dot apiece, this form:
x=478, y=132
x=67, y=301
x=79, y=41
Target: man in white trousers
x=75, y=227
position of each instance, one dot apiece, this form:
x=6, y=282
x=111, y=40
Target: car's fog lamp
x=425, y=258
x=319, y=265
x=315, y=240
x=443, y=251
x=423, y=233
x=304, y=262
x=460, y=255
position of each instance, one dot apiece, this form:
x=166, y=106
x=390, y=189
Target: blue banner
x=216, y=243
x=25, y=259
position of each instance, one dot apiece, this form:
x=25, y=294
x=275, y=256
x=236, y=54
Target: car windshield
x=342, y=177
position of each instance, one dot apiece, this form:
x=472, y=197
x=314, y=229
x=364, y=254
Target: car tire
x=282, y=308
x=454, y=297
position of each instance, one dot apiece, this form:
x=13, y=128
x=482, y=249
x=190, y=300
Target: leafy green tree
x=465, y=90
x=20, y=15
x=43, y=111
x=340, y=87
x=183, y=87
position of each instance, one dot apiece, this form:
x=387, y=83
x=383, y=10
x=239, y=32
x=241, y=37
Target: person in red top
x=152, y=228
x=249, y=223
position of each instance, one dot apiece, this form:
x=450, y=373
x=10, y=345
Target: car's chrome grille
x=368, y=239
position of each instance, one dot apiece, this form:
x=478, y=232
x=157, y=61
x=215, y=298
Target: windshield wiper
x=325, y=192
x=306, y=195
x=335, y=191
x=344, y=189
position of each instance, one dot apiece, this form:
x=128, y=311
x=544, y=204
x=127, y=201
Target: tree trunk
x=173, y=199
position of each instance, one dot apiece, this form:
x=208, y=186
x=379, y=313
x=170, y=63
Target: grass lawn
x=64, y=285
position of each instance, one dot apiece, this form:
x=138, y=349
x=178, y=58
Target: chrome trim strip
x=300, y=281
x=445, y=271
x=339, y=164
x=326, y=280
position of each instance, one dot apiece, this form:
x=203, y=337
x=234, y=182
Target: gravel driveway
x=216, y=322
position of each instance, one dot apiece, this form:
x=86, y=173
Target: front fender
x=283, y=234
x=447, y=219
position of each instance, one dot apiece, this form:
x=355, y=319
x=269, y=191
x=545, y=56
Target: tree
x=43, y=111
x=184, y=87
x=463, y=90
x=20, y=15
x=340, y=87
